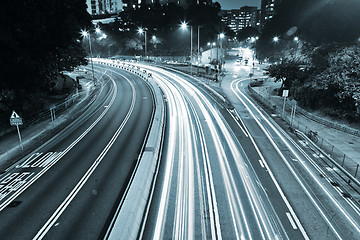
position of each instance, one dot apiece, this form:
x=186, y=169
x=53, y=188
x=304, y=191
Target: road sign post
x=285, y=95
x=16, y=120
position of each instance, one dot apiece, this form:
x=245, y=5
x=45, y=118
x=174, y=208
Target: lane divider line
x=42, y=232
x=37, y=176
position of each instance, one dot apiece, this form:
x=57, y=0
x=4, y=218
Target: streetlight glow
x=97, y=30
x=84, y=33
x=296, y=39
x=275, y=39
x=153, y=37
x=140, y=30
x=222, y=35
x=183, y=25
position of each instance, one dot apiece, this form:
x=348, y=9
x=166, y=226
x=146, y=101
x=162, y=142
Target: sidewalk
x=342, y=146
x=34, y=135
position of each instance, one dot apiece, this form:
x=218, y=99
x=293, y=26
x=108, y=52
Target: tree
x=38, y=40
x=287, y=72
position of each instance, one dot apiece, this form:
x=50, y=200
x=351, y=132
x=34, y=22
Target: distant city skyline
x=236, y=4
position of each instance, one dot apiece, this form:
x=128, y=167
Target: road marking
x=12, y=182
x=291, y=220
x=261, y=163
x=287, y=203
x=39, y=160
x=51, y=221
x=63, y=153
x=304, y=143
x=331, y=197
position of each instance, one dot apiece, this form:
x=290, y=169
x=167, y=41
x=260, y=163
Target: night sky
x=236, y=4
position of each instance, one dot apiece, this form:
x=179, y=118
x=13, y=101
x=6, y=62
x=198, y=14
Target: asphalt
x=35, y=134
x=342, y=146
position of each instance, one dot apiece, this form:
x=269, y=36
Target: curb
x=128, y=220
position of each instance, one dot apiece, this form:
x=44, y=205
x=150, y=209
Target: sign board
x=15, y=119
x=285, y=93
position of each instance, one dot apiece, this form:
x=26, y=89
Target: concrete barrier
x=128, y=219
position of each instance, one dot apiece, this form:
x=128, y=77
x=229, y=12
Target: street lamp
x=253, y=40
x=183, y=27
x=220, y=37
x=86, y=34
x=275, y=39
x=296, y=40
x=141, y=31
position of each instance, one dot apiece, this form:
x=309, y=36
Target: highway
x=227, y=169
x=70, y=187
x=233, y=173
x=207, y=187
x=321, y=206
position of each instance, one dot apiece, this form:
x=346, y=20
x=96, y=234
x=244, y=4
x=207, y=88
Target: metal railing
x=330, y=151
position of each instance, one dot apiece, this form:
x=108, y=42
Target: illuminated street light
x=275, y=39
x=86, y=34
x=220, y=37
x=184, y=27
x=141, y=31
x=97, y=30
x=154, y=37
x=296, y=39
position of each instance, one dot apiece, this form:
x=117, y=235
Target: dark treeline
x=38, y=40
x=321, y=70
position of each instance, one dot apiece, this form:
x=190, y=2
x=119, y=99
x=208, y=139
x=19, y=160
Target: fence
x=329, y=149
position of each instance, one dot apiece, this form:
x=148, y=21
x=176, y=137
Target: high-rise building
x=133, y=4
x=238, y=19
x=268, y=10
x=100, y=7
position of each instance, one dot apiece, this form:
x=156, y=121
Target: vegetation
x=163, y=22
x=39, y=40
x=325, y=74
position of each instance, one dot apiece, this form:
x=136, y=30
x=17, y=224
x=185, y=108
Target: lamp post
x=220, y=37
x=86, y=34
x=253, y=40
x=296, y=40
x=183, y=27
x=198, y=45
x=141, y=31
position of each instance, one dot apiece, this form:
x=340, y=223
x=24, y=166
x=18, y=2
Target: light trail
x=174, y=87
x=241, y=97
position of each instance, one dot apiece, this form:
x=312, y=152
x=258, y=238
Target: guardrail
x=348, y=166
x=332, y=161
x=42, y=115
x=128, y=219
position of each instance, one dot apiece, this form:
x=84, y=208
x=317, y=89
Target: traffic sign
x=15, y=119
x=285, y=93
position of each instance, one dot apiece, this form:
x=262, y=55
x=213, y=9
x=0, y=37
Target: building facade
x=133, y=4
x=238, y=19
x=101, y=7
x=267, y=10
